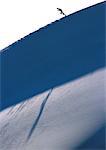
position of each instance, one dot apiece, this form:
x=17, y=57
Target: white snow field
x=68, y=115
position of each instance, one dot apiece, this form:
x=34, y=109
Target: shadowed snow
x=73, y=112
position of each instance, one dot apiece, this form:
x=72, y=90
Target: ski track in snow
x=39, y=115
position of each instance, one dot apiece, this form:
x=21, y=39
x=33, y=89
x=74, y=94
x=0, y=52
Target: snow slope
x=58, y=119
x=66, y=80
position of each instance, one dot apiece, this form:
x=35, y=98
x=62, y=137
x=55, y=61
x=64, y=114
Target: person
x=61, y=11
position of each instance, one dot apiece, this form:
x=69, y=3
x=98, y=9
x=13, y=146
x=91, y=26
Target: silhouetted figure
x=61, y=11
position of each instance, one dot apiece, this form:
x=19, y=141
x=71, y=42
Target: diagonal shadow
x=39, y=115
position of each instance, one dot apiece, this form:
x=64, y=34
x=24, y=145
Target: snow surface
x=56, y=119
